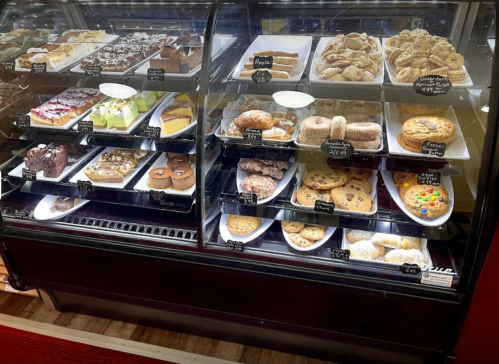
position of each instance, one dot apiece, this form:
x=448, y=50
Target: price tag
x=237, y=246
x=247, y=198
x=21, y=215
x=93, y=71
x=8, y=66
x=321, y=206
x=157, y=196
x=436, y=279
x=23, y=120
x=429, y=178
x=39, y=67
x=155, y=74
x=433, y=148
x=85, y=186
x=253, y=134
x=85, y=126
x=432, y=85
x=263, y=62
x=410, y=269
x=337, y=149
x=261, y=77
x=28, y=174
x=343, y=254
x=152, y=132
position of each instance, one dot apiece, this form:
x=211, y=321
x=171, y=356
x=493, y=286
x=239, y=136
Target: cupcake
x=183, y=178
x=160, y=178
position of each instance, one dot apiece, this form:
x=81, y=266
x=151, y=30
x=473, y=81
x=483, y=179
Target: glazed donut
x=403, y=59
x=454, y=61
x=338, y=127
x=316, y=127
x=435, y=60
x=363, y=131
x=362, y=144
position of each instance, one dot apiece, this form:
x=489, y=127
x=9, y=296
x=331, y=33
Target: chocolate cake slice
x=35, y=156
x=63, y=204
x=54, y=163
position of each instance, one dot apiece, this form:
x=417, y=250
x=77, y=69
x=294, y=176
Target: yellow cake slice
x=184, y=98
x=174, y=123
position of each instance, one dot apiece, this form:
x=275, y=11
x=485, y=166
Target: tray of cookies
x=426, y=123
x=427, y=205
x=353, y=59
x=386, y=250
x=353, y=191
x=358, y=122
x=289, y=57
x=305, y=237
x=416, y=53
x=242, y=228
x=266, y=179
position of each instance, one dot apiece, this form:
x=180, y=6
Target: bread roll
x=280, y=60
x=275, y=74
x=366, y=250
x=275, y=66
x=354, y=236
x=391, y=241
x=276, y=54
x=401, y=256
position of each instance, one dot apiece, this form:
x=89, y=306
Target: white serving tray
x=227, y=235
x=225, y=41
x=345, y=244
x=394, y=192
x=134, y=125
x=314, y=75
x=18, y=171
x=373, y=180
x=80, y=176
x=456, y=150
x=391, y=69
x=327, y=235
x=109, y=38
x=281, y=184
x=162, y=162
x=42, y=210
x=286, y=43
x=156, y=122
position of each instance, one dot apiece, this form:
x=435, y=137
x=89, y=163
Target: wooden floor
x=33, y=309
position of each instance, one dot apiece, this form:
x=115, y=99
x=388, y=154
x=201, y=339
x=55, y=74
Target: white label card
x=436, y=279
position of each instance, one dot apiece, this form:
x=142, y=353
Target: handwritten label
x=23, y=120
x=8, y=66
x=39, y=67
x=433, y=148
x=152, y=132
x=157, y=196
x=253, y=134
x=321, y=206
x=155, y=74
x=337, y=149
x=410, y=268
x=432, y=85
x=343, y=254
x=85, y=186
x=261, y=77
x=85, y=126
x=237, y=246
x=247, y=198
x=429, y=178
x=263, y=62
x=28, y=174
x=436, y=279
x=93, y=71
x=21, y=214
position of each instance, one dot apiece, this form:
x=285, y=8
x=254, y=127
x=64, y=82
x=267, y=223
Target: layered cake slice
x=184, y=98
x=179, y=109
x=123, y=115
x=97, y=173
x=34, y=157
x=144, y=100
x=98, y=114
x=54, y=162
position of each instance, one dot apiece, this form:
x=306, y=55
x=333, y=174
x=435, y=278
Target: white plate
x=329, y=232
x=18, y=171
x=227, y=235
x=42, y=210
x=314, y=75
x=394, y=192
x=373, y=180
x=281, y=184
x=225, y=42
x=109, y=38
x=134, y=125
x=286, y=43
x=117, y=91
x=156, y=122
x=162, y=162
x=391, y=69
x=80, y=176
x=292, y=99
x=456, y=150
x=492, y=44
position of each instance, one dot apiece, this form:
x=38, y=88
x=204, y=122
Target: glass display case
x=344, y=149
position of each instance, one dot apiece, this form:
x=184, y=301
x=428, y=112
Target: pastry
x=391, y=241
x=292, y=227
x=275, y=66
x=277, y=54
x=325, y=179
x=358, y=118
x=427, y=201
x=35, y=156
x=97, y=173
x=183, y=178
x=351, y=199
x=365, y=250
x=359, y=144
x=183, y=98
x=178, y=162
x=179, y=108
x=291, y=116
x=329, y=108
x=171, y=155
x=363, y=131
x=117, y=157
x=316, y=127
x=307, y=196
x=122, y=114
x=354, y=236
x=243, y=225
x=255, y=119
x=275, y=74
x=423, y=109
x=338, y=127
x=171, y=124
x=401, y=256
x=258, y=166
x=276, y=134
x=285, y=124
x=312, y=233
x=366, y=108
x=300, y=241
x=160, y=178
x=262, y=186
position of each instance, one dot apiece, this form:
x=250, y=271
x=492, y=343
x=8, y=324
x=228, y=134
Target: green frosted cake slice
x=98, y=114
x=123, y=114
x=144, y=100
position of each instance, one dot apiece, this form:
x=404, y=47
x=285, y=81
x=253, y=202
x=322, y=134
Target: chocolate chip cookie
x=299, y=240
x=325, y=179
x=351, y=199
x=312, y=233
x=243, y=225
x=292, y=226
x=307, y=196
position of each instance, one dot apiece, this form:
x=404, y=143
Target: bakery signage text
x=433, y=148
x=8, y=66
x=23, y=119
x=85, y=126
x=247, y=198
x=432, y=85
x=337, y=148
x=28, y=174
x=39, y=67
x=21, y=215
x=237, y=246
x=342, y=254
x=261, y=77
x=157, y=196
x=85, y=186
x=410, y=268
x=263, y=62
x=322, y=206
x=152, y=132
x=253, y=134
x=155, y=74
x=93, y=71
x=429, y=178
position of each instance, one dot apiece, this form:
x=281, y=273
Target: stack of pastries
x=283, y=63
x=278, y=125
x=303, y=235
x=262, y=180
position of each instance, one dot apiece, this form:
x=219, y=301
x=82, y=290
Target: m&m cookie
x=404, y=181
x=426, y=201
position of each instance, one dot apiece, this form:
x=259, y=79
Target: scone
x=312, y=233
x=292, y=226
x=307, y=196
x=350, y=199
x=300, y=241
x=243, y=225
x=354, y=236
x=325, y=179
x=427, y=201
